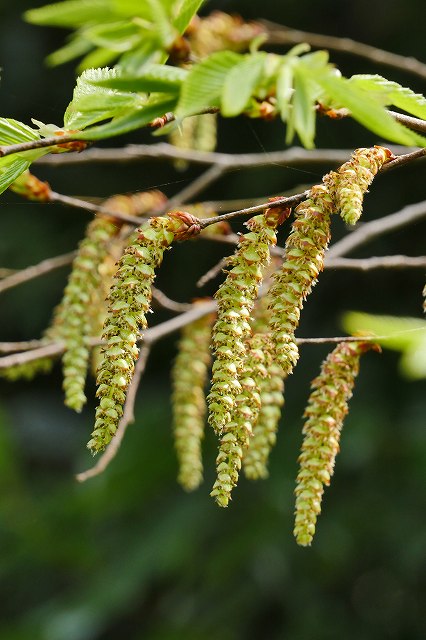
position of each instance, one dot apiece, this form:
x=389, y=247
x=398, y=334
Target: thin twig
x=151, y=335
x=12, y=347
x=288, y=201
x=370, y=230
x=280, y=34
x=165, y=302
x=93, y=208
x=211, y=273
x=7, y=150
x=376, y=262
x=127, y=418
x=24, y=275
x=197, y=186
x=165, y=151
x=405, y=158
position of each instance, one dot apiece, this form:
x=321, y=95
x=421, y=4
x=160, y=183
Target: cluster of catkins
x=250, y=343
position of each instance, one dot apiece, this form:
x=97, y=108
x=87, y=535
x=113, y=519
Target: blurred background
x=129, y=554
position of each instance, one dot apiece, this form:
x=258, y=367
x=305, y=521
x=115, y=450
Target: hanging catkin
x=189, y=377
x=304, y=259
x=129, y=302
x=352, y=179
x=325, y=413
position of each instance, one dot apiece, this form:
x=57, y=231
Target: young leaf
x=391, y=93
x=134, y=120
x=204, y=83
x=92, y=103
x=13, y=132
x=116, y=36
x=367, y=110
x=186, y=10
x=407, y=335
x=303, y=116
x=75, y=48
x=240, y=84
x=74, y=13
x=11, y=167
x=285, y=88
x=155, y=77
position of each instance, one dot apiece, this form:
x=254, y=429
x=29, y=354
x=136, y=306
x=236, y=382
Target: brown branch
x=370, y=230
x=7, y=150
x=93, y=208
x=165, y=151
x=280, y=34
x=127, y=418
x=288, y=201
x=150, y=336
x=12, y=347
x=403, y=159
x=165, y=302
x=376, y=262
x=40, y=269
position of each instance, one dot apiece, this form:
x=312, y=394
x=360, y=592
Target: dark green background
x=129, y=555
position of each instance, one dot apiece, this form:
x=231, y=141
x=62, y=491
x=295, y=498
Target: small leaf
x=92, y=103
x=285, y=89
x=116, y=36
x=11, y=167
x=76, y=47
x=393, y=332
x=391, y=93
x=131, y=121
x=74, y=13
x=367, y=110
x=13, y=132
x=155, y=77
x=240, y=84
x=304, y=115
x=186, y=10
x=204, y=83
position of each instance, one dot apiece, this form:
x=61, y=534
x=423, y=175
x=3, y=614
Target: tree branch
x=280, y=34
x=370, y=230
x=127, y=418
x=40, y=269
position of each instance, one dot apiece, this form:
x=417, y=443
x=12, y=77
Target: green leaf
x=92, y=103
x=13, y=132
x=97, y=58
x=204, y=84
x=240, y=84
x=162, y=22
x=131, y=121
x=76, y=47
x=285, y=88
x=366, y=110
x=186, y=10
x=11, y=168
x=391, y=93
x=116, y=36
x=74, y=13
x=155, y=77
x=407, y=335
x=303, y=114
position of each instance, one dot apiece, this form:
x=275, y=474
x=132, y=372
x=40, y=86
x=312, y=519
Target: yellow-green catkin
x=129, y=302
x=189, y=378
x=304, y=260
x=325, y=412
x=27, y=370
x=237, y=433
x=255, y=461
x=353, y=178
x=72, y=322
x=236, y=297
